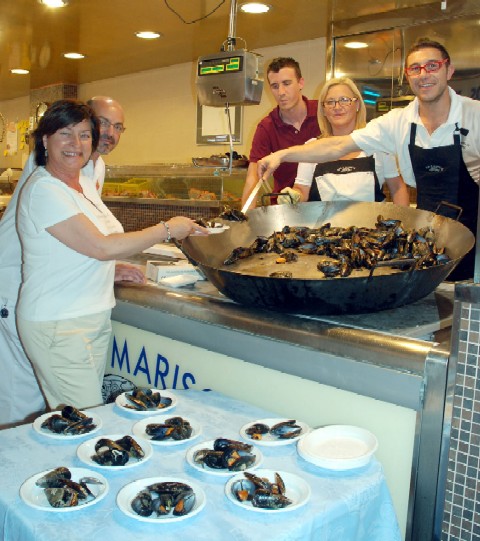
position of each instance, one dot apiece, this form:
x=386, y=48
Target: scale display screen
x=216, y=66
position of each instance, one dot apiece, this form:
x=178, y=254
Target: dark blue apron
x=345, y=167
x=441, y=175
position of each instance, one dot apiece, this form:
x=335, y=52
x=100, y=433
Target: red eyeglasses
x=432, y=66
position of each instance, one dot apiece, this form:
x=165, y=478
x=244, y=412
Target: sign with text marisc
x=150, y=360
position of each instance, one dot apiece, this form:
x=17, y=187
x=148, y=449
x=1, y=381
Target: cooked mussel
x=142, y=399
x=261, y=492
x=117, y=453
x=164, y=498
x=61, y=491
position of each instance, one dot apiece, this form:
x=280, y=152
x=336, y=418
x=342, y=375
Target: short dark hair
x=427, y=43
x=284, y=62
x=60, y=114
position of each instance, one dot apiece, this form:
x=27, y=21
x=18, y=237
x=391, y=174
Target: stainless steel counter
x=392, y=356
x=398, y=340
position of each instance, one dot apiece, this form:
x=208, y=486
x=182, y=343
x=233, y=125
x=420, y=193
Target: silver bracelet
x=167, y=229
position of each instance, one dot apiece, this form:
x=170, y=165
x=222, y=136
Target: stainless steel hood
x=388, y=34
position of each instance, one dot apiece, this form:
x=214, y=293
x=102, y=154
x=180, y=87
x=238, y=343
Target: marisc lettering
x=161, y=373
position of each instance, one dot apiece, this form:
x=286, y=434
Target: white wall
x=160, y=108
x=14, y=111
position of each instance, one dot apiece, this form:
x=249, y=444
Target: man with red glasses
x=436, y=139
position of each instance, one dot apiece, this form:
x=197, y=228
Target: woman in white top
x=356, y=176
x=70, y=241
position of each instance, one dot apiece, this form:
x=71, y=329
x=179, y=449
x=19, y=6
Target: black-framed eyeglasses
x=432, y=66
x=343, y=101
x=105, y=123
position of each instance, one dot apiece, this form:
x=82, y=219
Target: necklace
x=90, y=201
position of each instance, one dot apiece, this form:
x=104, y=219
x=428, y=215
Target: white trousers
x=69, y=356
x=20, y=395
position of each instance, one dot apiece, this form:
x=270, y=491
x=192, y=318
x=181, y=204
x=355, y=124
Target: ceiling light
x=54, y=3
x=19, y=71
x=255, y=7
x=356, y=45
x=147, y=34
x=74, y=56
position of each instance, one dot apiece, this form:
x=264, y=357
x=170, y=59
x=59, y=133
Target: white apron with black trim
x=351, y=180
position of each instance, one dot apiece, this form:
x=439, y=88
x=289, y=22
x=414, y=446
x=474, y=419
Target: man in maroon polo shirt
x=292, y=122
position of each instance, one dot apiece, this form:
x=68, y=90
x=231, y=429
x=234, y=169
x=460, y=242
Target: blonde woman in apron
x=355, y=176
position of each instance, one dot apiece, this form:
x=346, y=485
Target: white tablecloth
x=344, y=506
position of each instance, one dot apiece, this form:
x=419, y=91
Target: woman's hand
x=181, y=227
x=125, y=272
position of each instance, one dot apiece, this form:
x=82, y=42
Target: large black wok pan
x=307, y=291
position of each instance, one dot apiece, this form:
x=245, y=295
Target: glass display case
x=8, y=181
x=141, y=196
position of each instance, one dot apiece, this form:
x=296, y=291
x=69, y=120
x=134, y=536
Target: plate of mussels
x=267, y=491
x=224, y=457
x=67, y=424
x=144, y=401
x=64, y=489
x=161, y=499
x=274, y=432
x=114, y=451
x=167, y=430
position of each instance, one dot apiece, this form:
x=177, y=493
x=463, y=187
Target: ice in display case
x=140, y=196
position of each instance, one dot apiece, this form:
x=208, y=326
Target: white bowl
x=338, y=447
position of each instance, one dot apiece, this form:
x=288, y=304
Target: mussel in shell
x=69, y=421
x=226, y=454
x=233, y=215
x=175, y=428
x=261, y=492
x=282, y=430
x=61, y=491
x=141, y=399
x=117, y=453
x=163, y=499
x=54, y=478
x=346, y=249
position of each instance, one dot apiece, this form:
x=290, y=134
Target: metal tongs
x=261, y=182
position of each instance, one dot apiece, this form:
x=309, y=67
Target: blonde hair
x=325, y=126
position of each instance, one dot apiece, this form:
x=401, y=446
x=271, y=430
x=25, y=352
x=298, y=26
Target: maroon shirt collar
x=312, y=106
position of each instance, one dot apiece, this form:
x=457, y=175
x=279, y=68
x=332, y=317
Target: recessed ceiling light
x=255, y=7
x=147, y=34
x=74, y=56
x=19, y=71
x=54, y=3
x=356, y=45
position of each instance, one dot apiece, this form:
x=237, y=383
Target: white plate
x=86, y=449
x=338, y=447
x=222, y=473
x=139, y=430
x=270, y=439
x=219, y=229
x=128, y=493
x=122, y=402
x=37, y=425
x=296, y=489
x=34, y=496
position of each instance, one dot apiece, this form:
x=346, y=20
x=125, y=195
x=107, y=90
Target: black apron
x=441, y=175
x=364, y=164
